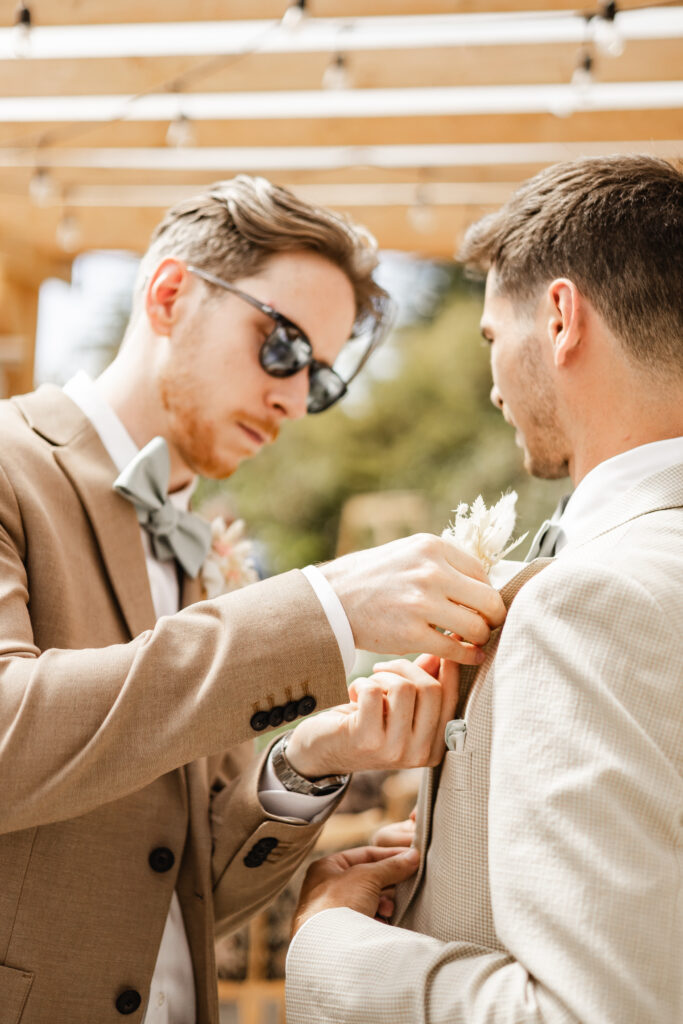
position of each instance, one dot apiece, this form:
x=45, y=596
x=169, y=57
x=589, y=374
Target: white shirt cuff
x=282, y=803
x=336, y=615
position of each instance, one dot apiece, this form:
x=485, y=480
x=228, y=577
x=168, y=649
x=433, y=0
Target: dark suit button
x=253, y=859
x=260, y=721
x=306, y=705
x=291, y=710
x=276, y=716
x=265, y=845
x=162, y=859
x=128, y=1002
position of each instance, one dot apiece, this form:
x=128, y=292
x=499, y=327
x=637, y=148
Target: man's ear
x=168, y=282
x=565, y=317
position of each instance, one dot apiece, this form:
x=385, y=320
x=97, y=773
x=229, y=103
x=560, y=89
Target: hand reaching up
x=362, y=879
x=396, y=719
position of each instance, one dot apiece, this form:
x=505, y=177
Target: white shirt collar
x=120, y=446
x=611, y=478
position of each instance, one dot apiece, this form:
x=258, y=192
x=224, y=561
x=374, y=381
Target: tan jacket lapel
x=84, y=460
x=190, y=590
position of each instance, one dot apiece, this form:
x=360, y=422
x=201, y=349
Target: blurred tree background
x=427, y=427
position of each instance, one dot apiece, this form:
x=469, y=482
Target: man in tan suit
x=549, y=886
x=127, y=833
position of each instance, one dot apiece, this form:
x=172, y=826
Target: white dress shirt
x=607, y=480
x=172, y=992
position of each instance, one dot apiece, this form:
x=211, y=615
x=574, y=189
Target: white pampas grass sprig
x=485, y=532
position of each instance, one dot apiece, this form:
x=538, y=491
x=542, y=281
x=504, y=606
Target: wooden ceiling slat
x=447, y=66
x=15, y=180
x=582, y=126
x=107, y=227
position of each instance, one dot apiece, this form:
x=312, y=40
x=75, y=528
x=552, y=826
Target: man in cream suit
x=126, y=832
x=549, y=886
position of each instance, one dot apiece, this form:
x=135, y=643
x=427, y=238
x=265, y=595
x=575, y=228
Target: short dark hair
x=614, y=226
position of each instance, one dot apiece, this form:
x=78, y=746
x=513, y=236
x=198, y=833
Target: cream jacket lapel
x=475, y=707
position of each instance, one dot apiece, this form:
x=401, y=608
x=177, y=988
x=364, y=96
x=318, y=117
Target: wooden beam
x=447, y=66
x=18, y=317
x=581, y=126
x=96, y=12
x=130, y=229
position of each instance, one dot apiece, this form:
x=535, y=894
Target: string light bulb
x=42, y=187
x=582, y=79
x=336, y=74
x=294, y=15
x=420, y=215
x=21, y=42
x=69, y=234
x=606, y=34
x=181, y=132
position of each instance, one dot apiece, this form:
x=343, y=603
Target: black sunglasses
x=287, y=350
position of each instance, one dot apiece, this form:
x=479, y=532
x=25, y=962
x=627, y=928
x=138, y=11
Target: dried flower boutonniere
x=485, y=532
x=230, y=563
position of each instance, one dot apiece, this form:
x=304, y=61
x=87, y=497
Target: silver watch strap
x=296, y=783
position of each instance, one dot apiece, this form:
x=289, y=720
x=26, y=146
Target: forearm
x=80, y=728
x=354, y=969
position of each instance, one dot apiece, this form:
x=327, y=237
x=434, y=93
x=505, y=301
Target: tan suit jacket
x=113, y=729
x=550, y=888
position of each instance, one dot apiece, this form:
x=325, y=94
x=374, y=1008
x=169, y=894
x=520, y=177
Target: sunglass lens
x=325, y=388
x=285, y=352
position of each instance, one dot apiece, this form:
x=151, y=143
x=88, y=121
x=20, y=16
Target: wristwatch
x=322, y=786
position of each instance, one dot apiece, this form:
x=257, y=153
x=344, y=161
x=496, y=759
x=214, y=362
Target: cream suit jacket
x=550, y=888
x=113, y=729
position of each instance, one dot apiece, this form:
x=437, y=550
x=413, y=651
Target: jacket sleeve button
x=259, y=721
x=253, y=859
x=276, y=716
x=306, y=705
x=265, y=845
x=291, y=710
x=128, y=1002
x=162, y=859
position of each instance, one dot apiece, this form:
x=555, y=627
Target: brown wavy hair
x=233, y=227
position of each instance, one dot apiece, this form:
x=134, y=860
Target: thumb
x=394, y=869
x=429, y=663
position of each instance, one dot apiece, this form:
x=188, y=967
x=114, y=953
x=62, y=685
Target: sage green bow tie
x=543, y=544
x=173, y=532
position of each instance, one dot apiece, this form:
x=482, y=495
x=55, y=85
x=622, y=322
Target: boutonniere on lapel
x=230, y=563
x=485, y=532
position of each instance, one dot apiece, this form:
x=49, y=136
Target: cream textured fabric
x=551, y=889
x=113, y=732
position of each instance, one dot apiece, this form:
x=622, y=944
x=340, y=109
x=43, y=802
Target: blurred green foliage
x=431, y=428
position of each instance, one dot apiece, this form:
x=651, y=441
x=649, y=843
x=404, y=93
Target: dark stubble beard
x=545, y=455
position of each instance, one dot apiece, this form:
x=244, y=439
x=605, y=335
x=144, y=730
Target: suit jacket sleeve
x=79, y=728
x=585, y=833
x=238, y=824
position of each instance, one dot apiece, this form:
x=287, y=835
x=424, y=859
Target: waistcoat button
x=162, y=859
x=128, y=1002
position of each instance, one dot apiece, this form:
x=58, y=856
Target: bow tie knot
x=544, y=543
x=164, y=520
x=173, y=532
